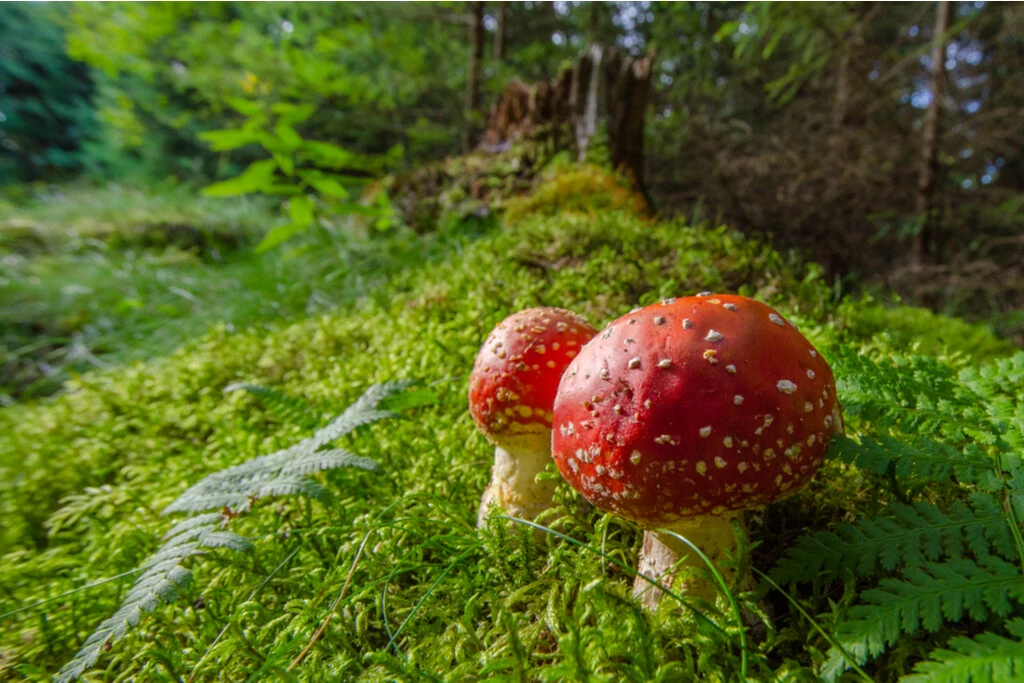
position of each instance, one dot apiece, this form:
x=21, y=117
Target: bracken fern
x=947, y=438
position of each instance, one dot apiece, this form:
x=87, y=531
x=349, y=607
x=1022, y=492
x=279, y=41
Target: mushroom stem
x=513, y=486
x=663, y=555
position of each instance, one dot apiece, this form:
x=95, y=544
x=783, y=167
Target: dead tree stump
x=606, y=86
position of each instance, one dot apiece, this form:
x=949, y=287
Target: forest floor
x=394, y=569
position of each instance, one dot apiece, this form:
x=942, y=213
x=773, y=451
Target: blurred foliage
x=801, y=121
x=46, y=112
x=374, y=77
x=313, y=174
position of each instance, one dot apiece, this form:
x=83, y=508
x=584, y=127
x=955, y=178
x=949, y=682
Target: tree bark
x=629, y=85
x=499, y=34
x=924, y=205
x=476, y=55
x=606, y=84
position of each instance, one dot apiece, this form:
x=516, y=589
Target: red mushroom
x=511, y=393
x=682, y=414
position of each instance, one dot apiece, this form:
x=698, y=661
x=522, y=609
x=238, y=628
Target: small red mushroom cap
x=514, y=380
x=693, y=407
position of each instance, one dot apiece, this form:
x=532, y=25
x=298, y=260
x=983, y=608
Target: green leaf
x=986, y=658
x=277, y=236
x=256, y=177
x=244, y=107
x=300, y=208
x=293, y=114
x=288, y=136
x=327, y=154
x=285, y=163
x=325, y=184
x=925, y=597
x=224, y=140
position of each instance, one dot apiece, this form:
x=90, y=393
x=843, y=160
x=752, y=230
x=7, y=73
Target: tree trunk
x=476, y=55
x=628, y=86
x=499, y=34
x=930, y=141
x=605, y=84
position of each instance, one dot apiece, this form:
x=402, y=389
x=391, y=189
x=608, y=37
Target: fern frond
x=279, y=473
x=286, y=407
x=921, y=458
x=906, y=535
x=915, y=395
x=986, y=658
x=925, y=596
x=328, y=460
x=162, y=579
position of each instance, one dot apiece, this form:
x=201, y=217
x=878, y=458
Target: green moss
x=83, y=478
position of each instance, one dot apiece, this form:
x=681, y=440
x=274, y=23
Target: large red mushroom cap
x=693, y=407
x=514, y=380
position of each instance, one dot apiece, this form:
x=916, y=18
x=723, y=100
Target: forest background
x=831, y=127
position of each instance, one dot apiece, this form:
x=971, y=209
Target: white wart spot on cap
x=714, y=336
x=664, y=362
x=727, y=442
x=731, y=369
x=737, y=399
x=659, y=320
x=635, y=457
x=705, y=431
x=687, y=323
x=634, y=363
x=775, y=318
x=785, y=386
x=730, y=307
x=810, y=374
x=814, y=354
x=808, y=407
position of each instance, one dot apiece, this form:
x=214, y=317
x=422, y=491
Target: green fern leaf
x=161, y=580
x=286, y=407
x=986, y=658
x=906, y=535
x=921, y=458
x=278, y=473
x=925, y=596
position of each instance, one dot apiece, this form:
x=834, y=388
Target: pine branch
x=908, y=535
x=986, y=658
x=927, y=597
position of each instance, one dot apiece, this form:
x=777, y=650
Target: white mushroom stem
x=664, y=555
x=513, y=486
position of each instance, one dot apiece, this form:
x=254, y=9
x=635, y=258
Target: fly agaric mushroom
x=683, y=414
x=511, y=393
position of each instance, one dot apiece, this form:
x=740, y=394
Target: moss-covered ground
x=424, y=594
